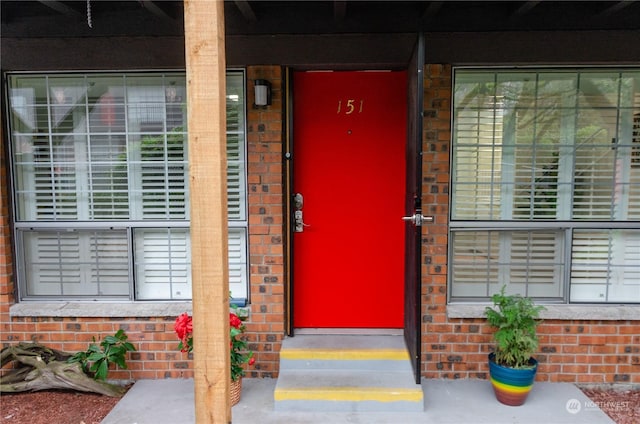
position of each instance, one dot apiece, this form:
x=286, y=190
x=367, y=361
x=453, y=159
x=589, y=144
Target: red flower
x=183, y=326
x=234, y=321
x=184, y=329
x=252, y=361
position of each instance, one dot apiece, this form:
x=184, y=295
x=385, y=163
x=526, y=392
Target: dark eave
x=51, y=18
x=327, y=34
x=62, y=8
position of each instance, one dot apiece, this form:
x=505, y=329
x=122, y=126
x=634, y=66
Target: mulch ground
x=55, y=407
x=622, y=406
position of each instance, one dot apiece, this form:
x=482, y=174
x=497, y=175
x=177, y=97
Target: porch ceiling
x=50, y=18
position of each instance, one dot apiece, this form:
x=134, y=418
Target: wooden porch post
x=205, y=61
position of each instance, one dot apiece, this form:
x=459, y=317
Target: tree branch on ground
x=37, y=367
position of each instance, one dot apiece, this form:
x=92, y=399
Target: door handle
x=417, y=219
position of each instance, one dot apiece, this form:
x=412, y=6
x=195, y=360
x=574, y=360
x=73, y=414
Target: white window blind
x=476, y=174
x=236, y=188
x=236, y=173
x=100, y=182
x=238, y=263
x=546, y=184
x=163, y=264
x=76, y=263
x=529, y=262
x=605, y=265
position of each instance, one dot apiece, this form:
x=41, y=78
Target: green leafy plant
x=516, y=320
x=97, y=359
x=239, y=348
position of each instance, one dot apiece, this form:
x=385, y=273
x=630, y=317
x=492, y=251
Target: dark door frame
x=413, y=205
x=288, y=201
x=412, y=324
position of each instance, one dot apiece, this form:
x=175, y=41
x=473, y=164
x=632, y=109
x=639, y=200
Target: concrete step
x=346, y=373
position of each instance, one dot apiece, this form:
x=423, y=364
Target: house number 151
x=349, y=106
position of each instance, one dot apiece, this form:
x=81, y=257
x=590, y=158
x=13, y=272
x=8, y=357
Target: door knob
x=417, y=219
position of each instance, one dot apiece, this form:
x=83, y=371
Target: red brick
x=590, y=378
x=575, y=369
x=603, y=349
x=575, y=349
x=592, y=340
x=602, y=369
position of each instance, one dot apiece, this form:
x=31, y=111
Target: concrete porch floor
x=446, y=401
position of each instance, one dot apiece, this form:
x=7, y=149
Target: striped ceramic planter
x=511, y=385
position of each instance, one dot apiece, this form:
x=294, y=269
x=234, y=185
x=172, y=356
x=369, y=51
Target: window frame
x=130, y=226
x=564, y=226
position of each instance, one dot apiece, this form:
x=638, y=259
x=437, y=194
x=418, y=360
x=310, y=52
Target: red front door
x=349, y=166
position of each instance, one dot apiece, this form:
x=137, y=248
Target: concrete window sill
x=560, y=312
x=99, y=309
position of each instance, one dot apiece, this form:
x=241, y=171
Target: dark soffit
x=49, y=18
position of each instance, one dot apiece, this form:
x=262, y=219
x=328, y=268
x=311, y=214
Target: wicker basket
x=235, y=390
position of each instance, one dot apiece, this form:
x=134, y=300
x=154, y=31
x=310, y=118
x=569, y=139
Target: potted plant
x=238, y=348
x=512, y=367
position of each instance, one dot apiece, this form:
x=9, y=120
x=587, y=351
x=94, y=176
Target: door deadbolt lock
x=298, y=221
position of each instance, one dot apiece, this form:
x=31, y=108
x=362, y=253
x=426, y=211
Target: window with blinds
x=546, y=184
x=100, y=185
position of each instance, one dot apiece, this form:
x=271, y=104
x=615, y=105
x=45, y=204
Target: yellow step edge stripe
x=345, y=354
x=377, y=394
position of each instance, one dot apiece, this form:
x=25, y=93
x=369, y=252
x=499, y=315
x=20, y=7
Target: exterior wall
x=574, y=351
x=435, y=201
x=152, y=334
x=157, y=356
x=266, y=326
x=6, y=263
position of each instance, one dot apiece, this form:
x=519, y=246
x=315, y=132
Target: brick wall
x=6, y=266
x=266, y=326
x=570, y=351
x=157, y=356
x=585, y=352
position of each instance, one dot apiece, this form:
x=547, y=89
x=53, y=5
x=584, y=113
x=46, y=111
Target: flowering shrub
x=238, y=347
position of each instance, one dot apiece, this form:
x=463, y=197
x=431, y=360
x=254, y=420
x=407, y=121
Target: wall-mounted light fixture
x=262, y=91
